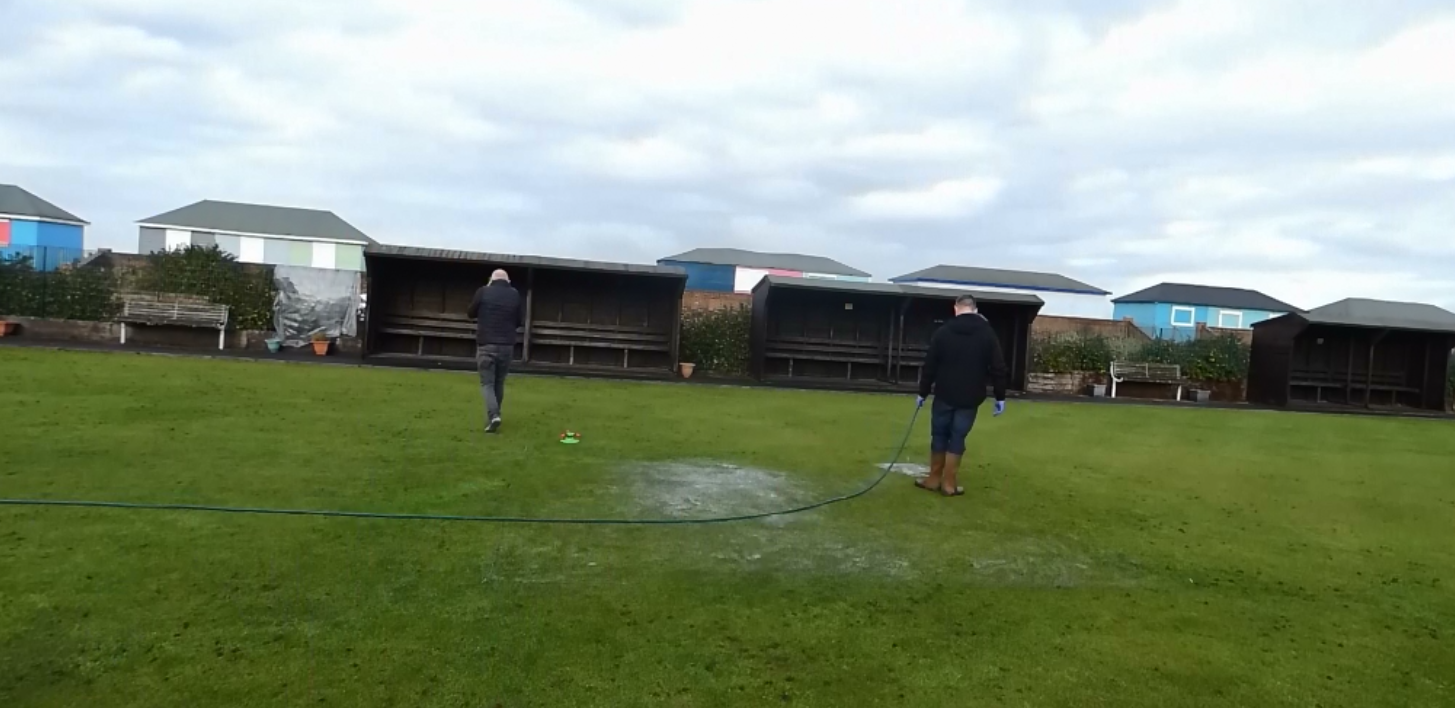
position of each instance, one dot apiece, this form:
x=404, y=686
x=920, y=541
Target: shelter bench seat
x=423, y=327
x=626, y=339
x=1166, y=374
x=1391, y=383
x=150, y=311
x=826, y=350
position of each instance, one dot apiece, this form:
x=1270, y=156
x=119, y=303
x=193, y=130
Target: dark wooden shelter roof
x=843, y=286
x=1379, y=314
x=506, y=260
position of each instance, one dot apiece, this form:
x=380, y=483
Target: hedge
x=1214, y=359
x=207, y=271
x=90, y=293
x=72, y=294
x=718, y=341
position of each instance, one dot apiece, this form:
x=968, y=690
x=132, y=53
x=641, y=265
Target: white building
x=1063, y=296
x=255, y=233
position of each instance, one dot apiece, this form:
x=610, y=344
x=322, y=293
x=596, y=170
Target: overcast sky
x=1305, y=148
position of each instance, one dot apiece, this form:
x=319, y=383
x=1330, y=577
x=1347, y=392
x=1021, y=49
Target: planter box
x=1073, y=383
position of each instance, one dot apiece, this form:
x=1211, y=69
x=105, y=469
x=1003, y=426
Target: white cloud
x=943, y=200
x=1253, y=141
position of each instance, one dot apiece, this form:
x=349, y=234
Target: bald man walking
x=497, y=314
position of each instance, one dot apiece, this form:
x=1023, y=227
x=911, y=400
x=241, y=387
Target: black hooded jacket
x=497, y=313
x=964, y=358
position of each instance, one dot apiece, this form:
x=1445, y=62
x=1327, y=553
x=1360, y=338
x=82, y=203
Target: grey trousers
x=493, y=362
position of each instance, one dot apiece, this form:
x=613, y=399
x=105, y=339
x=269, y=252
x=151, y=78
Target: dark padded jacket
x=964, y=358
x=497, y=314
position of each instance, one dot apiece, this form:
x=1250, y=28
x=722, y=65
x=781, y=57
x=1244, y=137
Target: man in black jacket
x=497, y=314
x=964, y=357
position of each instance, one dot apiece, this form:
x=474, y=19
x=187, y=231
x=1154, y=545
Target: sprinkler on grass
x=570, y=438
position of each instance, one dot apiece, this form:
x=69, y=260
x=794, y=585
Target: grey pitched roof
x=18, y=202
x=261, y=219
x=502, y=260
x=963, y=275
x=1381, y=314
x=1208, y=296
x=754, y=259
x=842, y=286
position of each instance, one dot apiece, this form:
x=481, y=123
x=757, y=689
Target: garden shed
x=577, y=314
x=1355, y=353
x=853, y=335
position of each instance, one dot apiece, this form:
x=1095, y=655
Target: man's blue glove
x=919, y=401
x=999, y=408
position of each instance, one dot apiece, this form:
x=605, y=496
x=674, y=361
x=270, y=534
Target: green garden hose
x=483, y=519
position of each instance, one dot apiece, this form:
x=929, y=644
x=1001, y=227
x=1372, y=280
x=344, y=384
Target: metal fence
x=43, y=258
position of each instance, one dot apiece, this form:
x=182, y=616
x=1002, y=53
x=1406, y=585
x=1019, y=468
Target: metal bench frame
x=182, y=314
x=1168, y=374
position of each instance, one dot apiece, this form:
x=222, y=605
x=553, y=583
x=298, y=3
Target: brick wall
x=1243, y=335
x=704, y=301
x=1049, y=326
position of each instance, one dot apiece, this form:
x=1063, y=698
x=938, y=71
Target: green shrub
x=207, y=271
x=71, y=294
x=718, y=341
x=1067, y=353
x=1215, y=359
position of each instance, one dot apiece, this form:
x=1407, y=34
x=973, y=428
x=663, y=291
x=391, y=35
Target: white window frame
x=1228, y=313
x=1191, y=316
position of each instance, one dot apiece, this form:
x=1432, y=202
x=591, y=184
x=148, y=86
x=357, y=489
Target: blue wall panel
x=704, y=276
x=24, y=233
x=1156, y=318
x=60, y=236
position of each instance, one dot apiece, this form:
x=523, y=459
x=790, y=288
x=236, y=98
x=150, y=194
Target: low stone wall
x=1079, y=383
x=66, y=330
x=1076, y=383
x=72, y=331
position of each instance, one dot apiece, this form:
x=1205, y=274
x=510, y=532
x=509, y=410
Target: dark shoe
x=931, y=487
x=494, y=426
x=959, y=491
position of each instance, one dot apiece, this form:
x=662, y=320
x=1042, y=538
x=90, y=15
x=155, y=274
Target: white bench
x=1168, y=374
x=176, y=314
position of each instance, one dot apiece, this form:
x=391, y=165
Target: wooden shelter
x=577, y=314
x=1354, y=352
x=870, y=334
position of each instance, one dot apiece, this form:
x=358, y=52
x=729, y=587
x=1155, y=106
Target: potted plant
x=320, y=343
x=686, y=369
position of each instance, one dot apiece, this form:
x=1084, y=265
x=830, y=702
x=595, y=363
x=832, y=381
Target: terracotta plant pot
x=686, y=370
x=320, y=348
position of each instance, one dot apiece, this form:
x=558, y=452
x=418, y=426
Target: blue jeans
x=949, y=427
x=493, y=363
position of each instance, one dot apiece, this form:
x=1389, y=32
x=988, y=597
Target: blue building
x=33, y=227
x=1174, y=311
x=731, y=270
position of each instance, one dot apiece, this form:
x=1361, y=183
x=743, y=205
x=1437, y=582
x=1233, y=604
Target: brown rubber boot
x=950, y=480
x=937, y=470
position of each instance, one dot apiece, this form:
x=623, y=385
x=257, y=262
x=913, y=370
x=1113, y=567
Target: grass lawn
x=1103, y=556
